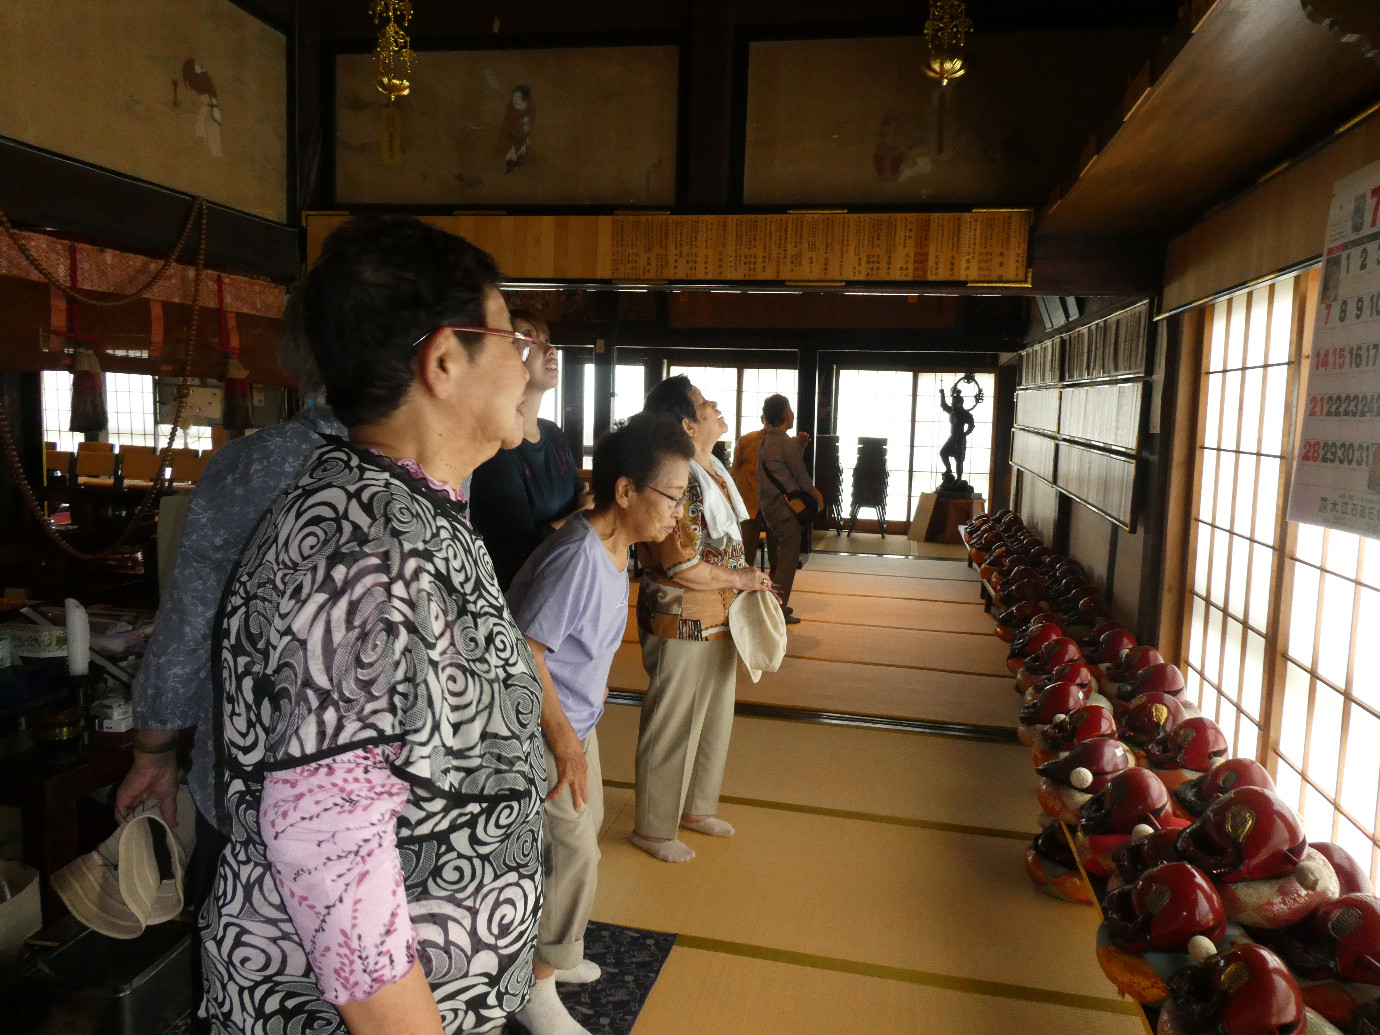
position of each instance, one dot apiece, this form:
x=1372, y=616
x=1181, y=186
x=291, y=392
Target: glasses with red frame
x=524, y=343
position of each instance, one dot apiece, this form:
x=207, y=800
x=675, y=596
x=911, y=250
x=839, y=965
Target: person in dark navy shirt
x=522, y=495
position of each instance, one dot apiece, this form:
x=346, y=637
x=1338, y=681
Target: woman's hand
x=151, y=776
x=751, y=580
x=572, y=770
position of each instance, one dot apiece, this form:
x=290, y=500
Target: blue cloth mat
x=631, y=960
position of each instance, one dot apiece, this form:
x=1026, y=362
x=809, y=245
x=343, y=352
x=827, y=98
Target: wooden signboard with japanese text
x=1337, y=470
x=985, y=247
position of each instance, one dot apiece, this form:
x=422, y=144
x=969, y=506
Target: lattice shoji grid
x=1282, y=644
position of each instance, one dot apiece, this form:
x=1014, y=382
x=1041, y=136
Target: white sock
x=545, y=1014
x=583, y=973
x=666, y=851
x=711, y=825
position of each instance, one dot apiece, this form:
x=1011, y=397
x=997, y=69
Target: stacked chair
x=1218, y=915
x=829, y=480
x=869, y=482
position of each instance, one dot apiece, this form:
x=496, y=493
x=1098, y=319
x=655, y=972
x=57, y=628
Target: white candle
x=78, y=639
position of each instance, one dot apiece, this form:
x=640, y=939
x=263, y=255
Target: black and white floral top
x=364, y=611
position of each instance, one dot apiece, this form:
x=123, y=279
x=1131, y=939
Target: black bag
x=803, y=504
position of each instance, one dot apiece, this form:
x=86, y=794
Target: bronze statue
x=961, y=425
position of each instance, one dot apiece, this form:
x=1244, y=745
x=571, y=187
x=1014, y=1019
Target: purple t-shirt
x=570, y=597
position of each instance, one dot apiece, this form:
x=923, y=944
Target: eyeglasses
x=524, y=343
x=674, y=499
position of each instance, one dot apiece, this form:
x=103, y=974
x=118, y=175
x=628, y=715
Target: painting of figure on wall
x=517, y=126
x=208, y=116
x=189, y=94
x=471, y=134
x=878, y=130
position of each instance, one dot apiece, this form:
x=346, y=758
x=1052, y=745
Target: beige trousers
x=571, y=864
x=682, y=741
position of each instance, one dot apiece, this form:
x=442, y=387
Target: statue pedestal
x=939, y=516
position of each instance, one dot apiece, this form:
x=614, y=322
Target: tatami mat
x=970, y=652
x=884, y=612
x=870, y=543
x=916, y=613
x=983, y=654
x=890, y=774
x=864, y=892
x=703, y=991
x=876, y=882
x=879, y=612
x=876, y=690
x=616, y=799
x=900, y=587
x=895, y=567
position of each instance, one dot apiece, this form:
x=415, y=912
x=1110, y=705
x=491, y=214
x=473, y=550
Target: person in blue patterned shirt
x=172, y=690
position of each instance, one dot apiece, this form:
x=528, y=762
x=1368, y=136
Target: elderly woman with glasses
x=571, y=601
x=689, y=580
x=380, y=762
x=524, y=494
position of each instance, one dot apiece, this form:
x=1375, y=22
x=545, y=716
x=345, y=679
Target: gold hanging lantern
x=393, y=53
x=944, y=34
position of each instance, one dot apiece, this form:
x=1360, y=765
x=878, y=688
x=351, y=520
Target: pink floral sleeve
x=329, y=834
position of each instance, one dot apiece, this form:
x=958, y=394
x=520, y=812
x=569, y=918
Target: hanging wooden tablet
x=391, y=135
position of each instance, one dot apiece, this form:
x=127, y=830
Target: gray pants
x=785, y=562
x=682, y=741
x=571, y=864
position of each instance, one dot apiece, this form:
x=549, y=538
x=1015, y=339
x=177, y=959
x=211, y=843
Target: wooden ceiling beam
x=655, y=336
x=583, y=23
x=1089, y=264
x=1222, y=112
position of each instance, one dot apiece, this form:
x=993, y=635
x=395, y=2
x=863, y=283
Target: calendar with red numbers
x=1337, y=470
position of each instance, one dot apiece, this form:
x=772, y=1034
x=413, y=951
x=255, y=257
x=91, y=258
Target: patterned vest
x=364, y=611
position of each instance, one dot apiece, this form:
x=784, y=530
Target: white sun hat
x=758, y=627
x=132, y=881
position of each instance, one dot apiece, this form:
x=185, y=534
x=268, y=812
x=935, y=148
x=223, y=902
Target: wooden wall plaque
x=1099, y=480
x=1093, y=378
x=1038, y=409
x=1034, y=454
x=986, y=246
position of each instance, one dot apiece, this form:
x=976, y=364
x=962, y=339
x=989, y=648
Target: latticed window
x=902, y=406
x=129, y=400
x=1281, y=644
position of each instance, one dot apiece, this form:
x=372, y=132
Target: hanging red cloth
x=89, y=415
x=237, y=414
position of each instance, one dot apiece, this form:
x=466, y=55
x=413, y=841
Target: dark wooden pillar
x=1003, y=417
x=806, y=395
x=307, y=90
x=653, y=373
x=1162, y=544
x=709, y=102
x=573, y=401
x=605, y=363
